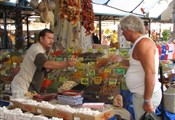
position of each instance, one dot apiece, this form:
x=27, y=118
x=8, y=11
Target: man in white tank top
x=142, y=74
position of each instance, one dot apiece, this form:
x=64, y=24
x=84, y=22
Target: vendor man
x=142, y=74
x=34, y=65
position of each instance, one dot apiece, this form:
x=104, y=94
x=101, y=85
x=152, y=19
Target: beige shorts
x=138, y=101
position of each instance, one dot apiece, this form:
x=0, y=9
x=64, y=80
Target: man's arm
x=55, y=65
x=42, y=62
x=146, y=51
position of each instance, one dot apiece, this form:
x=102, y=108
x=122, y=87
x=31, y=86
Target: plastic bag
x=149, y=116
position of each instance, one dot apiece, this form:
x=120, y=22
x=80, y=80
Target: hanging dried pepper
x=87, y=16
x=70, y=10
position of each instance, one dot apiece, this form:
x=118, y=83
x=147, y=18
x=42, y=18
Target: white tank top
x=135, y=76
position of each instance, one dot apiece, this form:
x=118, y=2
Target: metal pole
x=100, y=27
x=5, y=29
x=28, y=33
x=173, y=16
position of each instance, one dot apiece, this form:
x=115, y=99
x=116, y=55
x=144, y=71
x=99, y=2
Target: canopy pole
x=28, y=33
x=173, y=18
x=5, y=29
x=100, y=28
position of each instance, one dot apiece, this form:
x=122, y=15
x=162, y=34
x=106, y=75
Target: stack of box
x=70, y=100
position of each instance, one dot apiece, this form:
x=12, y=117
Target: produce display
x=97, y=74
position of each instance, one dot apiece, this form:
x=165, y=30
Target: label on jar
x=62, y=79
x=97, y=80
x=85, y=81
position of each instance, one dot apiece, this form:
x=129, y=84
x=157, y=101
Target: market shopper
x=142, y=74
x=35, y=64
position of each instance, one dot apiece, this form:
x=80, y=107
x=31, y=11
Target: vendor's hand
x=148, y=107
x=72, y=63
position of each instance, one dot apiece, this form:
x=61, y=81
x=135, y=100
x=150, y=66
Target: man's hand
x=148, y=107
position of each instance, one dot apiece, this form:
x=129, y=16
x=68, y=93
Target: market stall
x=95, y=88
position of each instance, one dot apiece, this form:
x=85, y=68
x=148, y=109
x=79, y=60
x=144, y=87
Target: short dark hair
x=43, y=33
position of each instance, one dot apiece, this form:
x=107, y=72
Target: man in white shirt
x=142, y=74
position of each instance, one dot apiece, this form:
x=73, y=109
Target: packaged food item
x=68, y=85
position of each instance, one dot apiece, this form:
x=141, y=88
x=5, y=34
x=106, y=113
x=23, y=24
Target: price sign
x=112, y=50
x=91, y=63
x=59, y=59
x=112, y=81
x=92, y=72
x=70, y=50
x=108, y=70
x=121, y=71
x=62, y=79
x=90, y=50
x=99, y=49
x=97, y=80
x=80, y=58
x=85, y=81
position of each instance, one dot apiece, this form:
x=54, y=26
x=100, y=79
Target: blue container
x=4, y=103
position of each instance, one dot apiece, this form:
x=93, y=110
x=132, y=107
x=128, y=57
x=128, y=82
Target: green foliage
x=166, y=35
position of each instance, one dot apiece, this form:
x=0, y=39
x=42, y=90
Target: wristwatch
x=146, y=101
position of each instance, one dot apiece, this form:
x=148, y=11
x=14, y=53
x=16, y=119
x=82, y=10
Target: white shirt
x=135, y=76
x=28, y=68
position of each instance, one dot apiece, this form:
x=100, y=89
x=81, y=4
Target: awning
x=148, y=8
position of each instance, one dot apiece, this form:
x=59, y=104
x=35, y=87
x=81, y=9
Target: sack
x=148, y=116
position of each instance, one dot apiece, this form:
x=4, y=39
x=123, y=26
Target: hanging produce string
x=81, y=37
